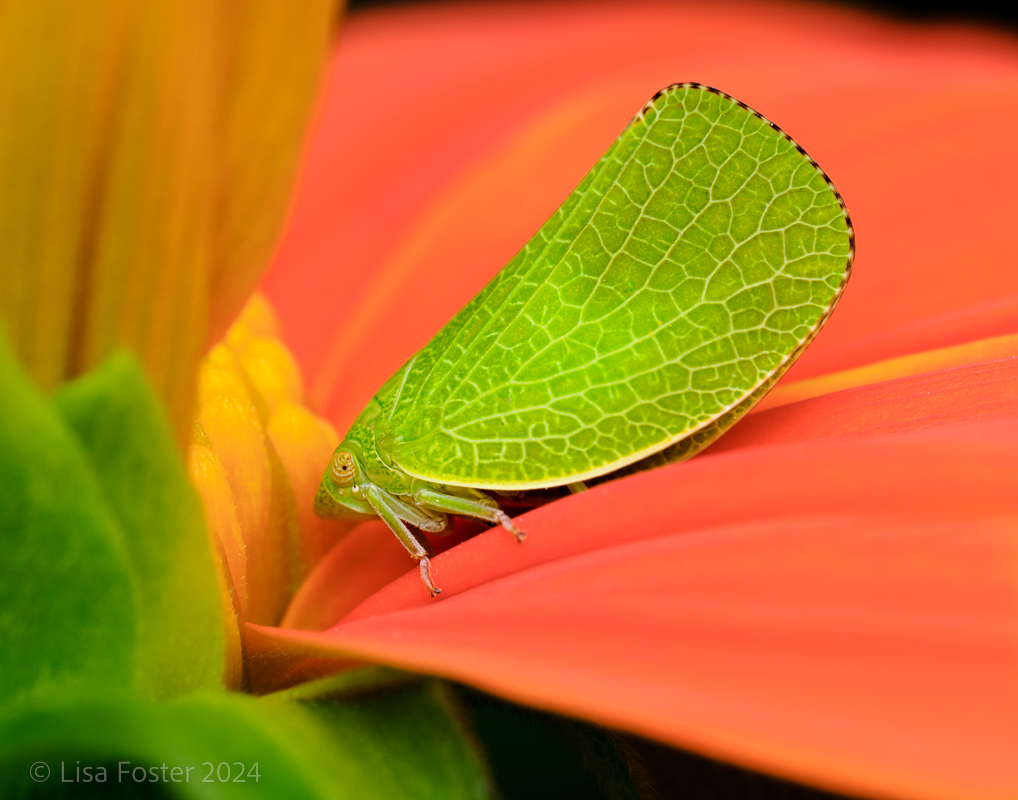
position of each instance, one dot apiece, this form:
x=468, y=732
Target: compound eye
x=342, y=469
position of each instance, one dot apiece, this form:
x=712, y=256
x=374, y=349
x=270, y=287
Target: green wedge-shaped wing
x=686, y=271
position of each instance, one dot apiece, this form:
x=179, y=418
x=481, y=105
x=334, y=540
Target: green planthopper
x=665, y=297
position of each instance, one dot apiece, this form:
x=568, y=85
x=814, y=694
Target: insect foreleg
x=466, y=507
x=386, y=506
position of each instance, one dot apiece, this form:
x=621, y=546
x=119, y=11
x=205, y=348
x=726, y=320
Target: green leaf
x=412, y=741
x=347, y=683
x=124, y=431
x=404, y=743
x=67, y=602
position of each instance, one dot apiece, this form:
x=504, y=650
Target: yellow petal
x=257, y=318
x=227, y=547
x=277, y=51
x=146, y=154
x=264, y=501
x=257, y=459
x=209, y=478
x=305, y=444
x=272, y=370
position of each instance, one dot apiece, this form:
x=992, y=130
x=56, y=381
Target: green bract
x=112, y=633
x=674, y=286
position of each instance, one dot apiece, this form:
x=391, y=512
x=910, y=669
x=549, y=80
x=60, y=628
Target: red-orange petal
x=406, y=208
x=841, y=612
x=987, y=390
x=834, y=598
x=365, y=561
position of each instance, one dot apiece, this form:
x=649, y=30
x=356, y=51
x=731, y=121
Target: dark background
x=998, y=13
x=1001, y=13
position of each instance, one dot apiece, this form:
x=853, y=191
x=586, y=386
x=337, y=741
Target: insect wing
x=689, y=267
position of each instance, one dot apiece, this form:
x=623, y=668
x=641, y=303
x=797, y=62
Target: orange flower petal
x=367, y=560
x=811, y=478
x=942, y=334
x=975, y=391
x=834, y=598
x=904, y=366
x=391, y=227
x=841, y=612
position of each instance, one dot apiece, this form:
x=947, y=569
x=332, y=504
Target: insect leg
x=418, y=517
x=382, y=502
x=466, y=507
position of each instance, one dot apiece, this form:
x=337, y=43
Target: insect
x=664, y=298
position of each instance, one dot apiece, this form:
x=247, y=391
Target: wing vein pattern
x=682, y=274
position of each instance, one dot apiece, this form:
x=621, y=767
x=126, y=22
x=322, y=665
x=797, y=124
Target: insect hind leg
x=485, y=509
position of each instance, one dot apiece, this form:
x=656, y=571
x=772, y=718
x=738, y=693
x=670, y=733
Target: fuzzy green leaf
x=67, y=599
x=399, y=744
x=124, y=431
